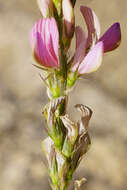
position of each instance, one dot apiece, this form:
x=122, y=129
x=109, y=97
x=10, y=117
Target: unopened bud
x=69, y=19
x=46, y=7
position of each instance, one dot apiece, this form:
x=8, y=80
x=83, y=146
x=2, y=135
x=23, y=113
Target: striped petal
x=111, y=38
x=92, y=23
x=80, y=47
x=52, y=37
x=44, y=42
x=41, y=54
x=93, y=59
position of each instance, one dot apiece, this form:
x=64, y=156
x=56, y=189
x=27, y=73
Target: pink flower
x=44, y=39
x=89, y=50
x=111, y=38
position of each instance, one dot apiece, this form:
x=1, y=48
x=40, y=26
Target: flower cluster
x=51, y=38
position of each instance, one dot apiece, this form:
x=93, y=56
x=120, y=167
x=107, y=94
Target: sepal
x=55, y=126
x=48, y=148
x=57, y=164
x=71, y=136
x=83, y=140
x=58, y=6
x=71, y=79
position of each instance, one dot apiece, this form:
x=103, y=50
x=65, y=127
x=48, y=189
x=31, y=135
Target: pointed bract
x=45, y=43
x=111, y=38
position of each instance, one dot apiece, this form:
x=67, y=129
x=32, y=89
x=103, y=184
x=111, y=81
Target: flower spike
x=50, y=39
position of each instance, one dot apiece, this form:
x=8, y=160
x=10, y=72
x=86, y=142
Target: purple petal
x=93, y=59
x=80, y=47
x=92, y=23
x=111, y=38
x=45, y=42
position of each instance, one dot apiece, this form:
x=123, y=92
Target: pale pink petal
x=92, y=23
x=111, y=38
x=80, y=36
x=80, y=47
x=93, y=59
x=46, y=31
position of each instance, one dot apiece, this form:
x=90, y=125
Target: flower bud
x=46, y=7
x=69, y=19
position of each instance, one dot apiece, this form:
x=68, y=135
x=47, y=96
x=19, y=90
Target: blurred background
x=22, y=97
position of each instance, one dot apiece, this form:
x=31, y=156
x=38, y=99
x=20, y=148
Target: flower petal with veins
x=45, y=43
x=41, y=54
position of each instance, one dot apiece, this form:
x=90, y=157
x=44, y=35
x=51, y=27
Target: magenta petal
x=41, y=53
x=80, y=47
x=45, y=42
x=92, y=23
x=111, y=38
x=93, y=59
